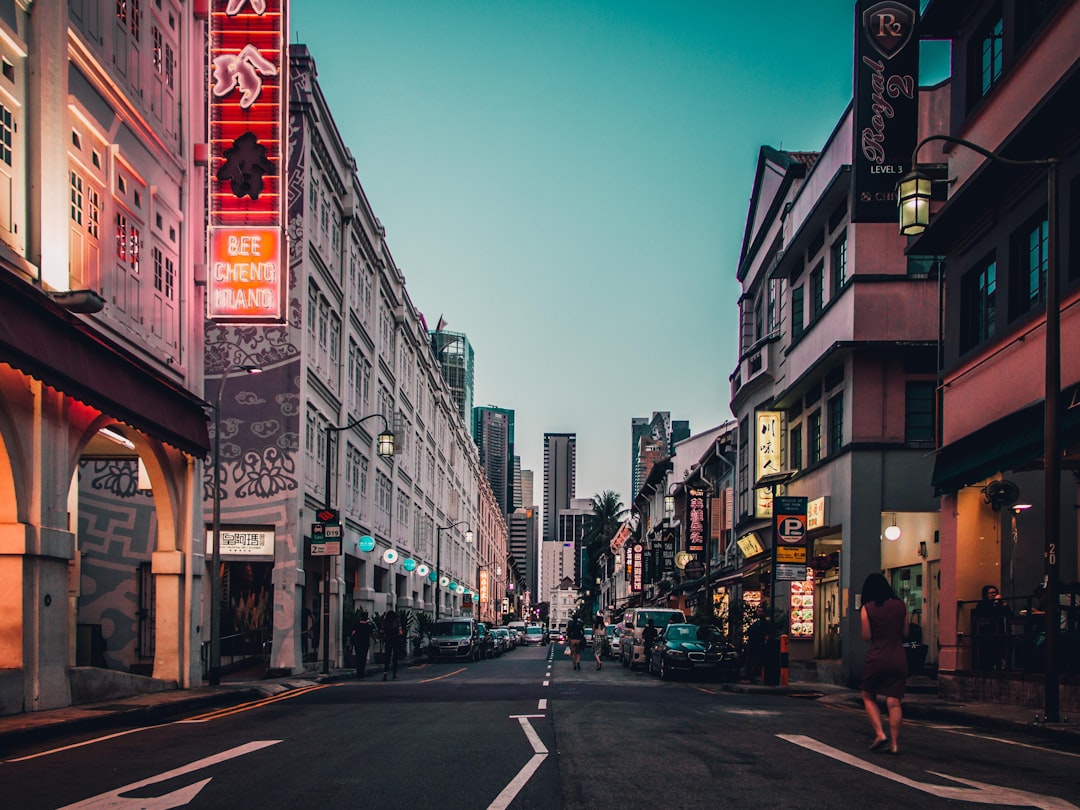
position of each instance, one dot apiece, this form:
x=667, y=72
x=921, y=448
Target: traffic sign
x=789, y=521
x=318, y=531
x=332, y=531
x=328, y=516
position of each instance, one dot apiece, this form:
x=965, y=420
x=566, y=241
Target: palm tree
x=608, y=515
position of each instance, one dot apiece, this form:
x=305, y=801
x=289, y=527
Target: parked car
x=614, y=634
x=486, y=642
x=632, y=646
x=695, y=650
x=455, y=639
x=515, y=637
x=588, y=636
x=501, y=637
x=534, y=636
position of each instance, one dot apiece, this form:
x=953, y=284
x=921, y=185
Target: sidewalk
x=240, y=687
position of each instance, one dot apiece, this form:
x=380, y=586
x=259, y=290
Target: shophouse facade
x=834, y=393
x=354, y=360
x=102, y=426
x=1004, y=234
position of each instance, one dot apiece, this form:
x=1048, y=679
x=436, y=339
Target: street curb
x=148, y=714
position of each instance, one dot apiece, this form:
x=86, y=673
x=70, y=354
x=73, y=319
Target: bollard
x=784, y=659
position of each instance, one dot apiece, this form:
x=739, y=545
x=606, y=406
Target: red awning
x=41, y=339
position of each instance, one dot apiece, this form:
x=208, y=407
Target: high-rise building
x=560, y=473
x=527, y=497
x=651, y=440
x=574, y=522
x=454, y=354
x=525, y=546
x=493, y=432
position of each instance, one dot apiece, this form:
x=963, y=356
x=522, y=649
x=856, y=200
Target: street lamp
x=385, y=449
x=213, y=674
x=913, y=199
x=438, y=556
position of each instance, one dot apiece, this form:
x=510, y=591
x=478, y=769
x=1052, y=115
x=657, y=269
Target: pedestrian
x=575, y=635
x=599, y=634
x=648, y=638
x=885, y=626
x=991, y=629
x=757, y=639
x=361, y=642
x=307, y=625
x=392, y=641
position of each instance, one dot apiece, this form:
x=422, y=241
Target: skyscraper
x=454, y=354
x=560, y=478
x=493, y=432
x=651, y=440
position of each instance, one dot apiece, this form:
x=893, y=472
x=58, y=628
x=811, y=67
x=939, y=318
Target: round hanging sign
x=390, y=556
x=409, y=564
x=444, y=581
x=366, y=543
x=422, y=570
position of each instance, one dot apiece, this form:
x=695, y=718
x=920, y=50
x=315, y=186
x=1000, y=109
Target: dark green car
x=696, y=650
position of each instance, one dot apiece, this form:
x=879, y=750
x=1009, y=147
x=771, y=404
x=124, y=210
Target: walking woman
x=599, y=636
x=885, y=626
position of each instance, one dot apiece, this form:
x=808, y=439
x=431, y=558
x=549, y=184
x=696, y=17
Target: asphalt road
x=527, y=731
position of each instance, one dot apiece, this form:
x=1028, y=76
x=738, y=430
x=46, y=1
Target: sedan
x=534, y=635
x=614, y=633
x=695, y=650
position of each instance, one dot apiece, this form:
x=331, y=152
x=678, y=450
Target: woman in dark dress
x=885, y=626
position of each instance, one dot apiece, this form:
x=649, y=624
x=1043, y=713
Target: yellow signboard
x=791, y=554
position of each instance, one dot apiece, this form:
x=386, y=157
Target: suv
x=456, y=639
x=632, y=643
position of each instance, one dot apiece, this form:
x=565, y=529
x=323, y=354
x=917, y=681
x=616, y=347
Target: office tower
x=651, y=440
x=525, y=547
x=527, y=498
x=493, y=432
x=454, y=354
x=574, y=522
x=560, y=470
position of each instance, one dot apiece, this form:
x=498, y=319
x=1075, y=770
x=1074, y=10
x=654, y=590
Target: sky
x=567, y=183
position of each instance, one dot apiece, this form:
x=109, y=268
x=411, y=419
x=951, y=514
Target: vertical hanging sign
x=247, y=269
x=886, y=104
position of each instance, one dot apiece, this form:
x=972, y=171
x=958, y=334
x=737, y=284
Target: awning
x=1009, y=443
x=41, y=339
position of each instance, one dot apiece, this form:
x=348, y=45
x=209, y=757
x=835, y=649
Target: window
x=795, y=448
x=836, y=424
x=839, y=264
x=925, y=265
x=797, y=312
x=978, y=305
x=7, y=127
x=919, y=411
x=986, y=57
x=1030, y=245
x=817, y=290
x=813, y=437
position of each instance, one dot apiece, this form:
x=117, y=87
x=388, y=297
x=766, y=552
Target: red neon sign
x=247, y=281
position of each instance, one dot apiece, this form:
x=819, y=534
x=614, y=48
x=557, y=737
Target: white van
x=632, y=643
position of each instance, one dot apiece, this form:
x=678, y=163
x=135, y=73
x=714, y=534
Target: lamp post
x=438, y=556
x=213, y=674
x=385, y=449
x=913, y=200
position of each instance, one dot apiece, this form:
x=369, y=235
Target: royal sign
x=246, y=273
x=886, y=104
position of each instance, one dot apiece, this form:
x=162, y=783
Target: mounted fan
x=1000, y=494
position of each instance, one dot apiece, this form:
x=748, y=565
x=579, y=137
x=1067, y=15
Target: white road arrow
x=114, y=800
x=979, y=792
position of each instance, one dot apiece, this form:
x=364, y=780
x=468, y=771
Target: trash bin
x=916, y=657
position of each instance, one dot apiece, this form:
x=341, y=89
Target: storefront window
x=908, y=584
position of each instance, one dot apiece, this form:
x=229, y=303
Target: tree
x=608, y=515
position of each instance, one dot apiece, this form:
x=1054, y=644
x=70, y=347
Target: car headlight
x=677, y=653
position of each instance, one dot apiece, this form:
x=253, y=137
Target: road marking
x=447, y=675
x=540, y=752
x=546, y=683
x=542, y=705
x=980, y=792
x=519, y=716
x=113, y=800
x=963, y=732
x=706, y=691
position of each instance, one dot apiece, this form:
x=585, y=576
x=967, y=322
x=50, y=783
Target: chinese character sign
x=766, y=458
x=246, y=282
x=696, y=521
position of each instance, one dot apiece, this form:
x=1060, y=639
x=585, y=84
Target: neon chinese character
x=242, y=71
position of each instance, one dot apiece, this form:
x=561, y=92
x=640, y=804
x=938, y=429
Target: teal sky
x=567, y=183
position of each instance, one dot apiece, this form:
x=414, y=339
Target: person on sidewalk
x=648, y=638
x=393, y=640
x=599, y=635
x=361, y=642
x=575, y=635
x=885, y=626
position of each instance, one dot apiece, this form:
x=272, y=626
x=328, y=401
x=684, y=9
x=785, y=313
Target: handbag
x=566, y=651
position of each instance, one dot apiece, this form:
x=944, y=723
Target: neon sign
x=246, y=279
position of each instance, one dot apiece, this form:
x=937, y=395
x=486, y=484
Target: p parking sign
x=789, y=521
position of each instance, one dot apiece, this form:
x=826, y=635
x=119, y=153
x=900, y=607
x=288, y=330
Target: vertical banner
x=886, y=104
x=246, y=266
x=637, y=562
x=766, y=459
x=696, y=520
